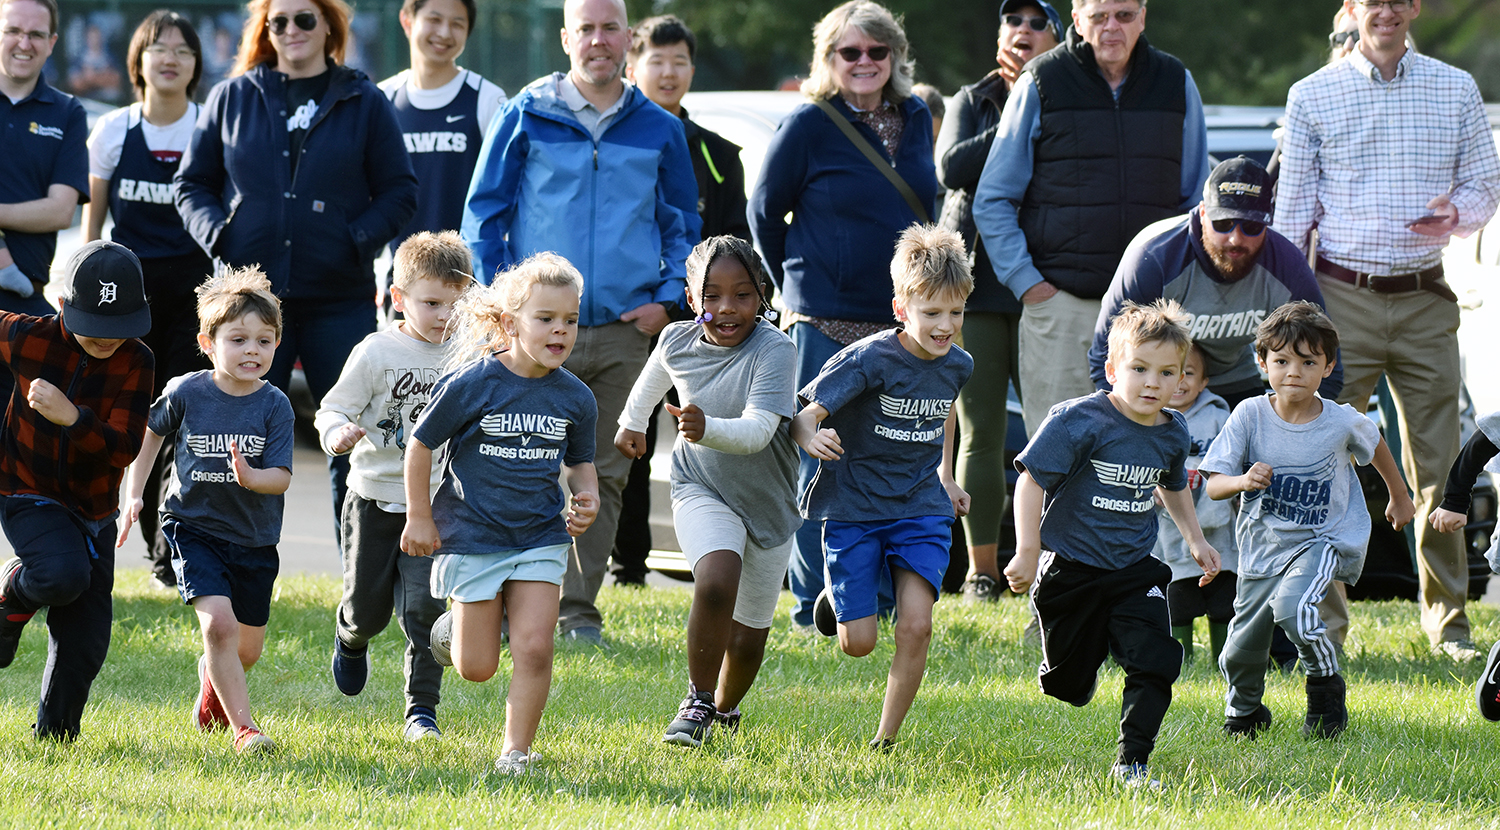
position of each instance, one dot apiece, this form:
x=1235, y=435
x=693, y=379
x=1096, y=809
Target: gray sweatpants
x=379, y=579
x=1289, y=600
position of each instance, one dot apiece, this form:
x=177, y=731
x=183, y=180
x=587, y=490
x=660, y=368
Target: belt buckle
x=1374, y=281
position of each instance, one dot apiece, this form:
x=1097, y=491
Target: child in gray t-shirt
x=1302, y=520
x=222, y=514
x=734, y=472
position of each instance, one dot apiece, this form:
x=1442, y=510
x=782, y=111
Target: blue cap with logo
x=1053, y=17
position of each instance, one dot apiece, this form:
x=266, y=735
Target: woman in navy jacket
x=832, y=263
x=298, y=165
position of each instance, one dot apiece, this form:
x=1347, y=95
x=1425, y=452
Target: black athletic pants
x=1089, y=613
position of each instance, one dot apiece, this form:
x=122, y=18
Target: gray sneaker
x=516, y=762
x=1461, y=650
x=981, y=588
x=441, y=639
x=585, y=635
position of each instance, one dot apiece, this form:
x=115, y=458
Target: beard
x=1231, y=269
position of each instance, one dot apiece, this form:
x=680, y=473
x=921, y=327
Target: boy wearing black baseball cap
x=74, y=422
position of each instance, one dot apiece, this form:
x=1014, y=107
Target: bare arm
x=1400, y=510
x=955, y=493
x=53, y=212
x=1179, y=505
x=135, y=488
x=1021, y=571
x=819, y=443
x=95, y=211
x=1222, y=486
x=420, y=536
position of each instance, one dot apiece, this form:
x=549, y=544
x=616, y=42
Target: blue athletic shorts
x=207, y=566
x=858, y=554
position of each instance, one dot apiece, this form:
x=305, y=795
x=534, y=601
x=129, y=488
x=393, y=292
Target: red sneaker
x=208, y=712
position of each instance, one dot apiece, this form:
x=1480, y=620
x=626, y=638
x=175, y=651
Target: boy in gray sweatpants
x=1302, y=518
x=370, y=413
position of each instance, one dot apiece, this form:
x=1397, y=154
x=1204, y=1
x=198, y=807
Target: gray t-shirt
x=506, y=436
x=1205, y=419
x=1314, y=494
x=758, y=374
x=889, y=407
x=203, y=493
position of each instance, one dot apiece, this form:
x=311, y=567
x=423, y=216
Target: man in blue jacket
x=584, y=165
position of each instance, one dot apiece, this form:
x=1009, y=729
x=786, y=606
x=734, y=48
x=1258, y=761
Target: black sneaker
x=728, y=721
x=695, y=719
x=882, y=745
x=1327, y=715
x=351, y=668
x=13, y=617
x=981, y=588
x=1248, y=726
x=823, y=617
x=1487, y=690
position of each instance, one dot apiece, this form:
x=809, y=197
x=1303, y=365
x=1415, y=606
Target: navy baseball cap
x=1057, y=25
x=104, y=293
x=1238, y=189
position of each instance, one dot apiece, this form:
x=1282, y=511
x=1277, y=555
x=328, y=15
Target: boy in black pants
x=75, y=421
x=1085, y=512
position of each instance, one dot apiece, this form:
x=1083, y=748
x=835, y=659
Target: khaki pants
x=1054, y=349
x=1411, y=338
x=608, y=358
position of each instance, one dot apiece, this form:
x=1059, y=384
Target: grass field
x=982, y=747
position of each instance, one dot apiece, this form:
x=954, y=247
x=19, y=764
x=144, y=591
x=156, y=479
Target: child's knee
x=475, y=670
x=531, y=657
x=54, y=586
x=913, y=631
x=222, y=632
x=716, y=589
x=856, y=643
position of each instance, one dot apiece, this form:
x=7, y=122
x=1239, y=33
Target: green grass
x=982, y=746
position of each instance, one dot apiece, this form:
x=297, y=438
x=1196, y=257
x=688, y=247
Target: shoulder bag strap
x=876, y=159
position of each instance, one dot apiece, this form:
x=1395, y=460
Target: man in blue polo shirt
x=43, y=157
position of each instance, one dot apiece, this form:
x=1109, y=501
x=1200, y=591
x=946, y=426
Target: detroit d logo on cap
x=106, y=292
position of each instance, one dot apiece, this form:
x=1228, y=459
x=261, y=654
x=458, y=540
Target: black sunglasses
x=876, y=53
x=1338, y=40
x=1246, y=226
x=306, y=21
x=1016, y=21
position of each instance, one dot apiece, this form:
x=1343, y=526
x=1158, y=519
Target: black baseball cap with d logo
x=104, y=294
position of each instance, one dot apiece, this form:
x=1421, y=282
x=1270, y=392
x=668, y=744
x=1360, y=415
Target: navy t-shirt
x=45, y=142
x=1099, y=469
x=888, y=406
x=204, y=494
x=506, y=436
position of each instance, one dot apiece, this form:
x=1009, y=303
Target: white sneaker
x=1462, y=651
x=516, y=762
x=1134, y=777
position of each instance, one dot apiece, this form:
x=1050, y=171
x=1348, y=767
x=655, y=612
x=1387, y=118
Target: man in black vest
x=1100, y=137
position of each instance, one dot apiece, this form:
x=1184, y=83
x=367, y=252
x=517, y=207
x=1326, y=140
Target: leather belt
x=1429, y=280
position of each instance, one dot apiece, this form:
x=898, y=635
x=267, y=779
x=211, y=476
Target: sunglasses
x=1125, y=17
x=876, y=53
x=1341, y=40
x=1247, y=227
x=1016, y=21
x=306, y=21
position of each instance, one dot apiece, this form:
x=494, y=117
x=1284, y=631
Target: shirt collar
x=1361, y=63
x=577, y=103
x=42, y=93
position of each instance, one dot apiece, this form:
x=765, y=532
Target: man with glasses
x=44, y=167
x=1099, y=138
x=1389, y=153
x=1229, y=271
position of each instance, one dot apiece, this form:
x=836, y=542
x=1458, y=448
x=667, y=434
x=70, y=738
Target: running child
x=62, y=455
x=884, y=487
x=734, y=473
x=1452, y=515
x=1085, y=515
x=1302, y=520
x=1205, y=414
x=222, y=513
x=368, y=414
x=509, y=414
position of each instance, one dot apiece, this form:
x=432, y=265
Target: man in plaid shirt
x=75, y=421
x=1388, y=153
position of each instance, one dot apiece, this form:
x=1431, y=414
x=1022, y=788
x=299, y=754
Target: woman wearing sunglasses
x=832, y=263
x=298, y=165
x=1027, y=29
x=133, y=154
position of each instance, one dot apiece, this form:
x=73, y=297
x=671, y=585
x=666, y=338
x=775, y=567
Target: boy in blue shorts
x=1303, y=520
x=884, y=488
x=222, y=513
x=1085, y=514
x=371, y=413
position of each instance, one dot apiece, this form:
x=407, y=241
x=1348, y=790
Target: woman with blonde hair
x=854, y=168
x=298, y=165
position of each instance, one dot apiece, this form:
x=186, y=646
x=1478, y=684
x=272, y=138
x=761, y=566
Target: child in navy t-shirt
x=884, y=488
x=1085, y=512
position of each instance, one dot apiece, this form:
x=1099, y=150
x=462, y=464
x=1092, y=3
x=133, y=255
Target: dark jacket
x=834, y=259
x=315, y=235
x=721, y=181
x=962, y=150
x=1104, y=169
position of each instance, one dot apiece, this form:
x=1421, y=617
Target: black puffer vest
x=1103, y=169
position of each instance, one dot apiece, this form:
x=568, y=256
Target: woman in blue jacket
x=298, y=165
x=832, y=263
